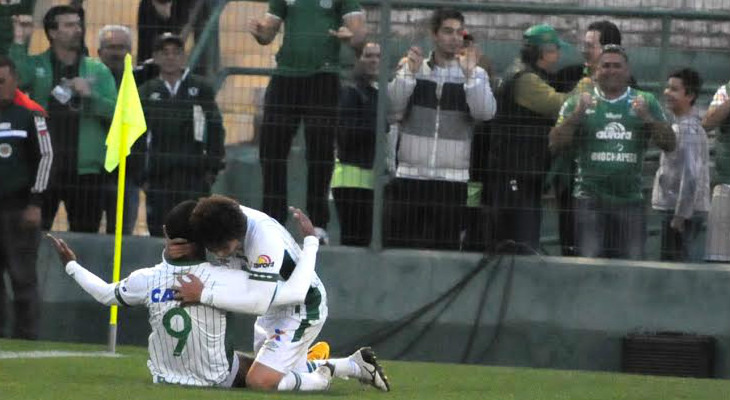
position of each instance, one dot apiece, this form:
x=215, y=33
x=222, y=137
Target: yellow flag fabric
x=128, y=123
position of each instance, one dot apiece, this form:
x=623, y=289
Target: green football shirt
x=610, y=144
x=308, y=47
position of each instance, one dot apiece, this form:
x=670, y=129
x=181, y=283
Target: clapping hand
x=641, y=108
x=343, y=33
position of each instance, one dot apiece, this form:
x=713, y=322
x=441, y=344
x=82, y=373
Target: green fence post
x=379, y=173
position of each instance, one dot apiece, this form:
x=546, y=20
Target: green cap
x=539, y=35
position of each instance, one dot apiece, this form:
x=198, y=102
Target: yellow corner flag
x=128, y=123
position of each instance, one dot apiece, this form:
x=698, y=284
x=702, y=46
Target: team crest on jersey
x=290, y=2
x=5, y=150
x=263, y=261
x=40, y=72
x=193, y=91
x=5, y=126
x=155, y=96
x=325, y=4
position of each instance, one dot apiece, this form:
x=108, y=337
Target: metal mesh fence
x=453, y=180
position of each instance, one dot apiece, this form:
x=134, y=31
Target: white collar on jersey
x=600, y=95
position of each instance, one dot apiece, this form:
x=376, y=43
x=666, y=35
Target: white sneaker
x=321, y=234
x=327, y=371
x=371, y=372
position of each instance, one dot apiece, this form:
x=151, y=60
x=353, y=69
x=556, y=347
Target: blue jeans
x=605, y=229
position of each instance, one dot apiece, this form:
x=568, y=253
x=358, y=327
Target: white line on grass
x=4, y=355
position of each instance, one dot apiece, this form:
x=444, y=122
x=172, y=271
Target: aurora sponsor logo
x=614, y=131
x=263, y=261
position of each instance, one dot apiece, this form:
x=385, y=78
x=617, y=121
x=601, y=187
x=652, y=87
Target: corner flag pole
x=112, y=345
x=127, y=126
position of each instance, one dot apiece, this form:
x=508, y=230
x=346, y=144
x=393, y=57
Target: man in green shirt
x=304, y=87
x=609, y=129
x=79, y=94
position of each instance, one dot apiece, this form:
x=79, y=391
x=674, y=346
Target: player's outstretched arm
x=103, y=292
x=98, y=289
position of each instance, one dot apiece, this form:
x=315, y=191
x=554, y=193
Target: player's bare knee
x=258, y=381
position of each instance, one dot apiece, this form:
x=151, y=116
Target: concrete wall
x=557, y=312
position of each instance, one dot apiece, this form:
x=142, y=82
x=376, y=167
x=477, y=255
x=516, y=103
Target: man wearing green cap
x=519, y=153
x=609, y=130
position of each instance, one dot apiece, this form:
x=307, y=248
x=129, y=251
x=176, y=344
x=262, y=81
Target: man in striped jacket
x=25, y=162
x=438, y=100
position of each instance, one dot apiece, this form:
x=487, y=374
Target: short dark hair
x=608, y=30
x=217, y=220
x=177, y=221
x=442, y=14
x=615, y=49
x=49, y=20
x=691, y=80
x=5, y=61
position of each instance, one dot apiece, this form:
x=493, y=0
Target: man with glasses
x=609, y=129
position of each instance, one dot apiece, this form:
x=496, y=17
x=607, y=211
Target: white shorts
x=283, y=336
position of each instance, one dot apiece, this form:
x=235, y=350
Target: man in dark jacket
x=184, y=131
x=25, y=164
x=528, y=107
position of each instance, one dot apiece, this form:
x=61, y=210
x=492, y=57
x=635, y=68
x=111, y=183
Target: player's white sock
x=295, y=381
x=344, y=367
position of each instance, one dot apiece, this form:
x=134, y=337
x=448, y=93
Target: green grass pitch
x=126, y=378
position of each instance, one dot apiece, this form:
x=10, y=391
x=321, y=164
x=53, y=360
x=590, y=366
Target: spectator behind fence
x=519, y=156
x=184, y=132
x=352, y=180
x=80, y=95
x=441, y=99
x=682, y=183
x=25, y=162
x=115, y=42
x=562, y=170
x=11, y=11
x=718, y=229
x=305, y=86
x=609, y=130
